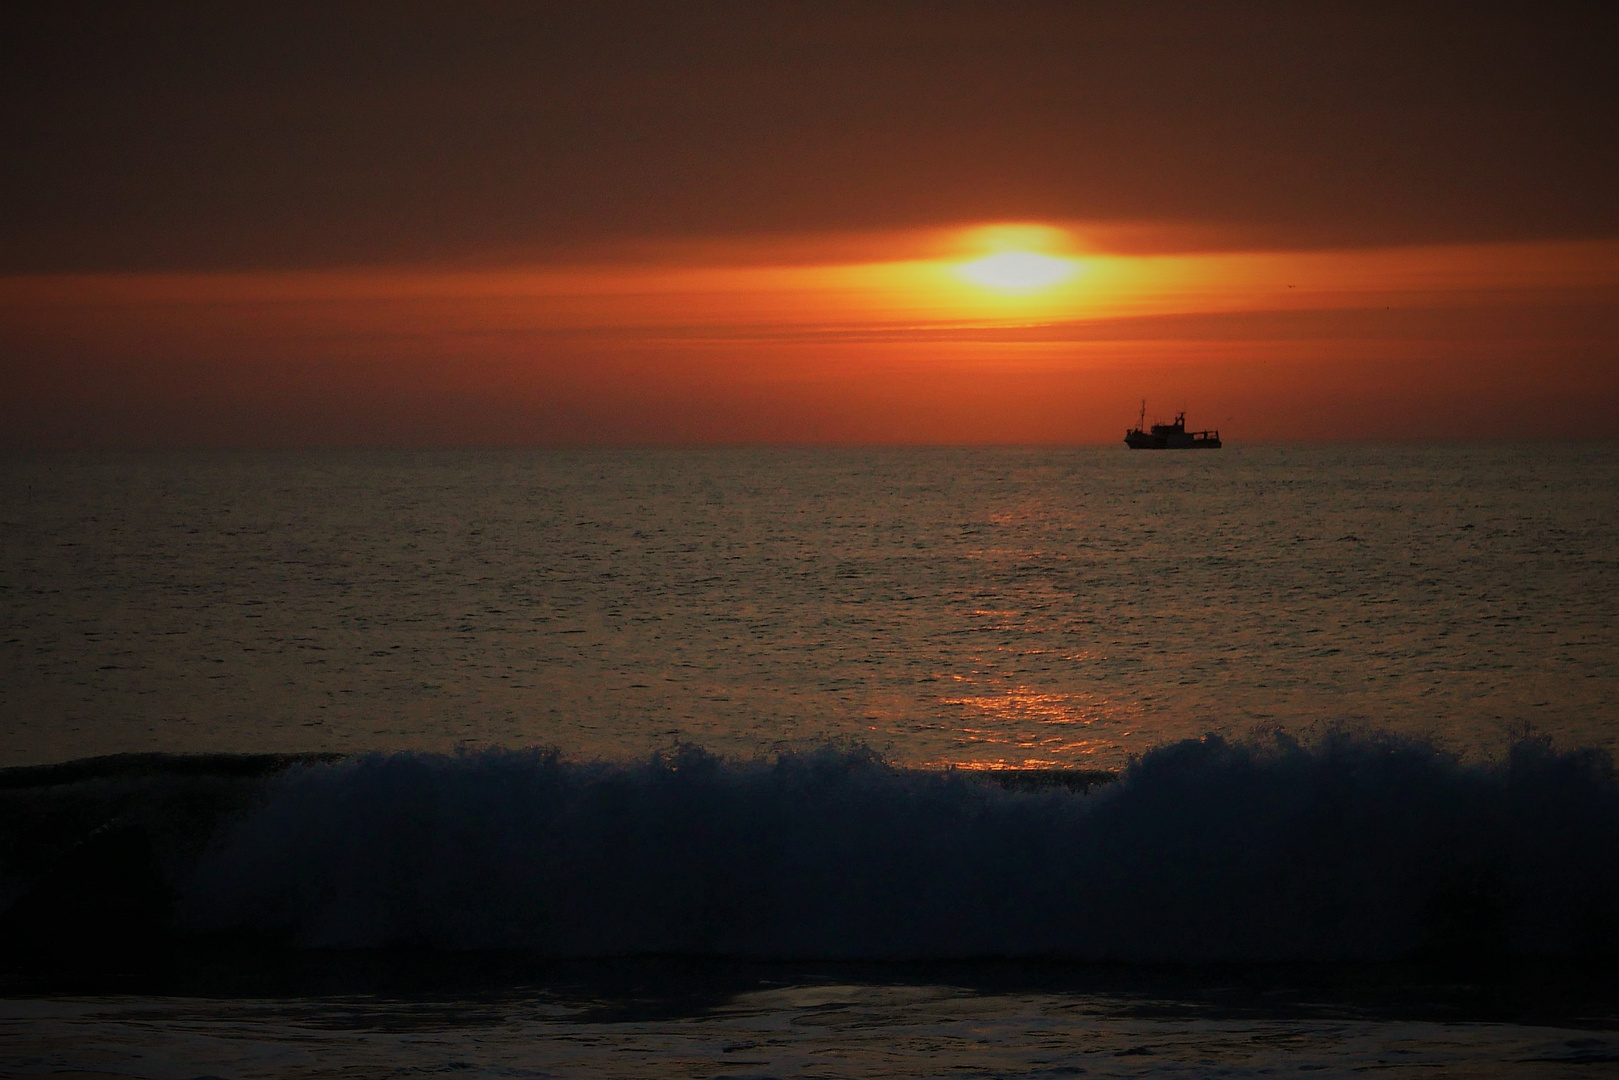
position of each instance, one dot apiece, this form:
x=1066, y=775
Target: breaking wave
x=1359, y=847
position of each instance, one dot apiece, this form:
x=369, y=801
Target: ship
x=1169, y=436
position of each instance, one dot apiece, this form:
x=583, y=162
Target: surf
x=1360, y=847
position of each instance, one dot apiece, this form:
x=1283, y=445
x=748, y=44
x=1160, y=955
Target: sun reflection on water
x=1019, y=727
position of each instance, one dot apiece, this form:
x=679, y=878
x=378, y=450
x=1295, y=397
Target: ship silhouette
x=1169, y=436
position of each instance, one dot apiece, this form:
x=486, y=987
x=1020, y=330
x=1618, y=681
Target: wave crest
x=1363, y=847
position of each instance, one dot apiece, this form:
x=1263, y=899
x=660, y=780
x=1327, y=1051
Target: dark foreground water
x=641, y=763
x=675, y=1019
x=1364, y=903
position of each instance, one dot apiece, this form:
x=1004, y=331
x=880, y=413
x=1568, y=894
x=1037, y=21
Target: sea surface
x=742, y=762
x=997, y=607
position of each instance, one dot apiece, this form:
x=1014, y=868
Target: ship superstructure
x=1169, y=436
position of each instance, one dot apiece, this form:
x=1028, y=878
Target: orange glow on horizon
x=937, y=288
x=936, y=344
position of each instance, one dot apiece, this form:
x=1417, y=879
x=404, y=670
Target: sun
x=1019, y=271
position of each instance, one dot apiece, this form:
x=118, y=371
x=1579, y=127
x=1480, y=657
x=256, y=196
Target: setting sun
x=1019, y=271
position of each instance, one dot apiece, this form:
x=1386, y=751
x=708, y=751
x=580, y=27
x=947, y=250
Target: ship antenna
x=1141, y=424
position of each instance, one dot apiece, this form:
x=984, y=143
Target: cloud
x=318, y=135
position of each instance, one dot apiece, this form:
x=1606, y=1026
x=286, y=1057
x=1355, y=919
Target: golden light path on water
x=1007, y=723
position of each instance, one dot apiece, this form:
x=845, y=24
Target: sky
x=669, y=224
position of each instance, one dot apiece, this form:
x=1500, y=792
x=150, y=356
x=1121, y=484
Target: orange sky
x=875, y=337
x=643, y=222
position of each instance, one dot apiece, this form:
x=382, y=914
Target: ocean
x=810, y=762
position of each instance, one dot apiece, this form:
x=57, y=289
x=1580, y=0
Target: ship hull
x=1140, y=440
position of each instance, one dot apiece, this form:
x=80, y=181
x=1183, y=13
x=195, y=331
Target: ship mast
x=1141, y=424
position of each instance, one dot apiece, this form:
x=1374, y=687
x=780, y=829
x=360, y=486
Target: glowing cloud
x=1004, y=334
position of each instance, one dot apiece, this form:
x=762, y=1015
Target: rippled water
x=989, y=607
x=978, y=607
x=813, y=1029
